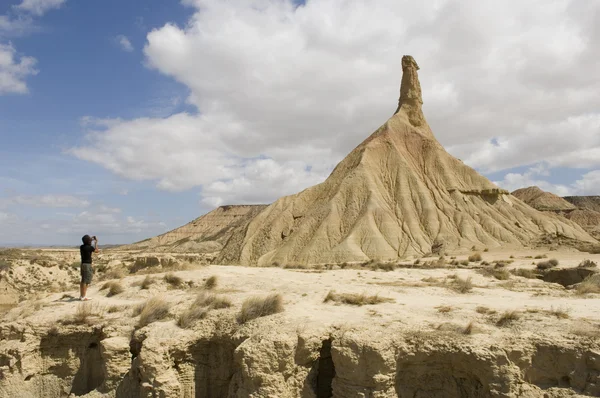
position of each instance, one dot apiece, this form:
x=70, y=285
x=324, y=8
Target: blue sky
x=125, y=119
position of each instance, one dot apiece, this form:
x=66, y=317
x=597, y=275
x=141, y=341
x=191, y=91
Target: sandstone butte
x=397, y=194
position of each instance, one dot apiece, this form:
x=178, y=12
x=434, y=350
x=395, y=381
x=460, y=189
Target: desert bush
x=525, y=273
x=173, y=280
x=559, y=313
x=115, y=288
x=256, y=307
x=507, y=318
x=383, y=266
x=587, y=264
x=84, y=312
x=498, y=273
x=417, y=262
x=211, y=283
x=475, y=257
x=444, y=309
x=355, y=298
x=462, y=285
x=464, y=262
x=148, y=280
x=591, y=284
x=484, y=310
x=114, y=308
x=540, y=256
x=212, y=301
x=155, y=309
x=114, y=273
x=187, y=318
x=469, y=328
x=4, y=266
x=544, y=265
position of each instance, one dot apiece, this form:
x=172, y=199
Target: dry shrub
x=444, y=309
x=540, y=256
x=462, y=285
x=383, y=266
x=355, y=298
x=464, y=262
x=211, y=283
x=475, y=257
x=115, y=308
x=544, y=265
x=560, y=313
x=148, y=280
x=191, y=315
x=525, y=273
x=115, y=273
x=297, y=266
x=508, y=318
x=153, y=310
x=173, y=280
x=591, y=284
x=469, y=328
x=84, y=312
x=498, y=273
x=587, y=264
x=212, y=301
x=256, y=307
x=455, y=328
x=114, y=288
x=484, y=310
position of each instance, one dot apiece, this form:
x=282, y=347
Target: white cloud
x=44, y=201
x=14, y=70
x=124, y=43
x=588, y=184
x=299, y=87
x=39, y=7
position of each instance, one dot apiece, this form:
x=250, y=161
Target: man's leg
x=82, y=289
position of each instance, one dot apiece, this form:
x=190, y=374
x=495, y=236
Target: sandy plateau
x=428, y=328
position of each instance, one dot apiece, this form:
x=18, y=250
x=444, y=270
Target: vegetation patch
x=462, y=285
x=155, y=309
x=525, y=273
x=173, y=280
x=590, y=285
x=508, y=318
x=211, y=283
x=544, y=265
x=355, y=298
x=256, y=307
x=475, y=257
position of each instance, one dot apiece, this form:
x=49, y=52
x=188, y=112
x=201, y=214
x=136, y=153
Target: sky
x=125, y=119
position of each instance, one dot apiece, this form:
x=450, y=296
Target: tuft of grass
x=486, y=250
x=187, y=318
x=507, y=318
x=212, y=301
x=560, y=313
x=501, y=274
x=173, y=280
x=469, y=328
x=211, y=283
x=540, y=256
x=484, y=310
x=525, y=273
x=590, y=285
x=115, y=273
x=544, y=265
x=84, y=312
x=114, y=289
x=114, y=308
x=383, y=266
x=587, y=264
x=355, y=298
x=155, y=309
x=464, y=262
x=462, y=285
x=148, y=280
x=257, y=306
x=475, y=257
x=444, y=309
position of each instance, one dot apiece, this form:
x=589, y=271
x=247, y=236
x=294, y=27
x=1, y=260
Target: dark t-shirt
x=86, y=253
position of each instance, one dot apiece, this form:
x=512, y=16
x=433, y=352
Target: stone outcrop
x=397, y=194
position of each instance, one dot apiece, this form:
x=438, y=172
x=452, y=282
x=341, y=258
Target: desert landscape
x=404, y=274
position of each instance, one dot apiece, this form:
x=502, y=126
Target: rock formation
x=206, y=234
x=582, y=210
x=542, y=200
x=399, y=193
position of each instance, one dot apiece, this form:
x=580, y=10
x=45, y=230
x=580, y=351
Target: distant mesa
x=582, y=210
x=397, y=194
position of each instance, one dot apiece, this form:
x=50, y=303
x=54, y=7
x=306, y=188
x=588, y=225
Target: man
x=86, y=251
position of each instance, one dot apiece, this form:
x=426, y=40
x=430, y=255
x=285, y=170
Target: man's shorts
x=86, y=273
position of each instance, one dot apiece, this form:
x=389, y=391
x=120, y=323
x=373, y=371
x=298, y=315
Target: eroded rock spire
x=411, y=98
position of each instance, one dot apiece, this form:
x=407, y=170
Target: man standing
x=86, y=251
